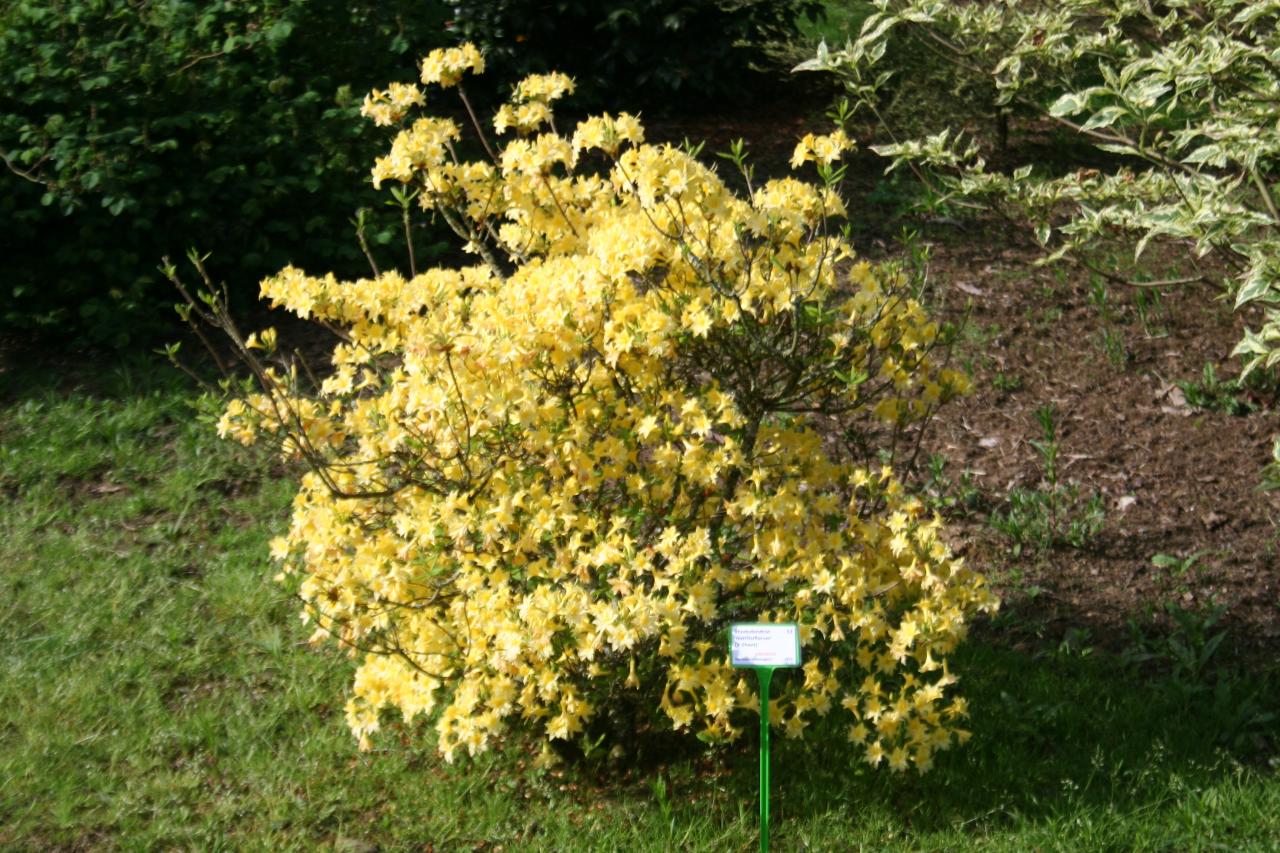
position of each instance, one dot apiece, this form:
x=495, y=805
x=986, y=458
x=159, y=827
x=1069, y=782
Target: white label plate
x=763, y=644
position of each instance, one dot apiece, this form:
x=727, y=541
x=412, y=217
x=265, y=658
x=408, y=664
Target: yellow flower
x=821, y=149
x=445, y=66
x=544, y=87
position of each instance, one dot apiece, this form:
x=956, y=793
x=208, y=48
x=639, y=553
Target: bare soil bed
x=1174, y=479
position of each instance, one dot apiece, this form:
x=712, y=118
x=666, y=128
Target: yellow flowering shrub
x=542, y=485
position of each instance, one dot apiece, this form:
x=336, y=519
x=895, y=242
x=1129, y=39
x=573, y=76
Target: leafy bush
x=1179, y=96
x=541, y=486
x=668, y=52
x=916, y=91
x=135, y=129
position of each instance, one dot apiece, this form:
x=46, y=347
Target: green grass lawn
x=158, y=693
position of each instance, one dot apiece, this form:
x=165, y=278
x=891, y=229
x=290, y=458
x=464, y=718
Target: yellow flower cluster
x=389, y=107
x=530, y=106
x=546, y=482
x=444, y=67
x=823, y=149
x=543, y=87
x=421, y=146
x=607, y=133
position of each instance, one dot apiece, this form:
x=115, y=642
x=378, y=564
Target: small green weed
x=1111, y=344
x=1191, y=647
x=1271, y=472
x=1213, y=394
x=1053, y=283
x=1006, y=383
x=1046, y=317
x=1148, y=304
x=979, y=335
x=944, y=493
x=1187, y=649
x=1100, y=298
x=1110, y=341
x=1075, y=643
x=1177, y=566
x=1054, y=514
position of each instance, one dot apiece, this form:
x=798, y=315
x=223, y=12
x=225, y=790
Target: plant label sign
x=758, y=644
x=764, y=646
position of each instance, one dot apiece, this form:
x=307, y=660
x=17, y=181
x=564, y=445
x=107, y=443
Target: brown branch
x=1115, y=278
x=475, y=122
x=197, y=61
x=26, y=174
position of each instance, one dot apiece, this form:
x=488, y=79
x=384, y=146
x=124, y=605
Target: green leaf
x=875, y=26
x=1113, y=148
x=1205, y=153
x=1256, y=286
x=1067, y=105
x=1252, y=12
x=1104, y=117
x=1147, y=92
x=279, y=31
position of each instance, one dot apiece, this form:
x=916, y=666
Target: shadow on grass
x=36, y=371
x=1056, y=731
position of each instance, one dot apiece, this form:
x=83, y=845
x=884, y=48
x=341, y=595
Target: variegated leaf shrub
x=1185, y=93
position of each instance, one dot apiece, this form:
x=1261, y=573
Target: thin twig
x=364, y=246
x=408, y=239
x=559, y=206
x=1115, y=278
x=1265, y=192
x=475, y=122
x=197, y=61
x=473, y=239
x=30, y=174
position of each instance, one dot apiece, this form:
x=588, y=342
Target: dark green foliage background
x=135, y=129
x=666, y=55
x=153, y=126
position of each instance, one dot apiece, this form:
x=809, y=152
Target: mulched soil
x=1175, y=480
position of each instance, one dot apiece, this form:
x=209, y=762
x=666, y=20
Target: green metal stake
x=765, y=674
